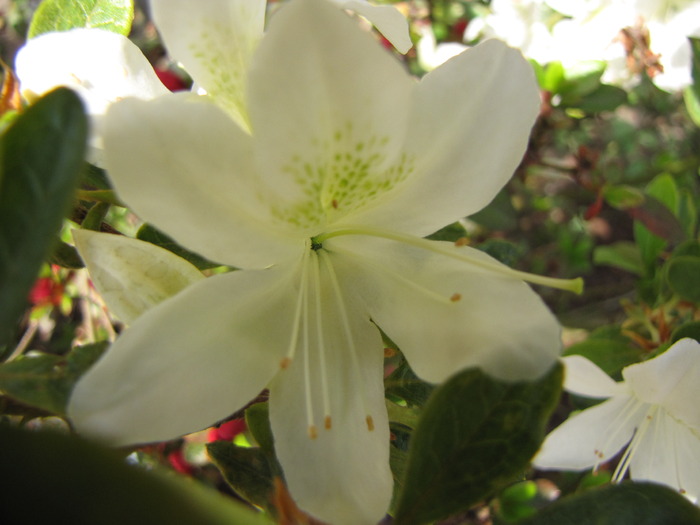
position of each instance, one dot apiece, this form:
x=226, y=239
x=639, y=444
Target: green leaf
x=249, y=471
x=624, y=255
x=604, y=98
x=55, y=478
x=476, y=435
x=41, y=157
x=683, y=276
x=150, y=234
x=404, y=384
x=257, y=419
x=695, y=69
x=622, y=196
x=45, y=381
x=65, y=255
x=690, y=329
x=60, y=15
x=552, y=78
x=624, y=504
x=610, y=354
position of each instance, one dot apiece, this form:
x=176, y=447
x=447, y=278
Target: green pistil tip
x=577, y=285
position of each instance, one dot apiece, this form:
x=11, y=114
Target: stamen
x=294, y=338
x=313, y=433
x=348, y=332
x=307, y=363
x=627, y=412
x=316, y=274
x=631, y=449
x=462, y=241
x=455, y=297
x=571, y=285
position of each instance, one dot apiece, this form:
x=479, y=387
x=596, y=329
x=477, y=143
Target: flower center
x=339, y=175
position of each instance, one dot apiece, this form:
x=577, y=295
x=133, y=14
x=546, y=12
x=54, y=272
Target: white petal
x=182, y=164
x=328, y=110
x=101, y=66
x=583, y=377
x=495, y=322
x=387, y=19
x=592, y=436
x=669, y=453
x=193, y=359
x=671, y=380
x=132, y=276
x=215, y=41
x=470, y=123
x=342, y=476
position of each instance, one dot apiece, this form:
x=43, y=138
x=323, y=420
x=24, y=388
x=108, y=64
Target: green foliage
x=60, y=479
x=59, y=15
x=45, y=381
x=150, y=234
x=624, y=504
x=608, y=349
x=41, y=158
x=475, y=436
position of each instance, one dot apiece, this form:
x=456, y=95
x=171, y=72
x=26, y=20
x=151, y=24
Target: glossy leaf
x=624, y=504
x=41, y=159
x=60, y=479
x=59, y=15
x=476, y=435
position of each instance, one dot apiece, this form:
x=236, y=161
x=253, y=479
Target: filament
x=316, y=273
x=571, y=285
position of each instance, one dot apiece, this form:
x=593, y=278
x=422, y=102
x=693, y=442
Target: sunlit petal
x=590, y=437
x=182, y=164
x=190, y=361
x=342, y=476
x=387, y=19
x=214, y=40
x=583, y=377
x=328, y=110
x=132, y=276
x=446, y=315
x=470, y=122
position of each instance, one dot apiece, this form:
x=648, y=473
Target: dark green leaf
x=45, y=381
x=690, y=329
x=58, y=479
x=695, y=46
x=150, y=234
x=60, y=15
x=683, y=276
x=65, y=255
x=41, y=159
x=475, y=436
x=624, y=504
x=93, y=219
x=249, y=471
x=604, y=98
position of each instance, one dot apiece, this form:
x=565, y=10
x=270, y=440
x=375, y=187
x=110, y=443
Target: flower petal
x=342, y=476
x=101, y=66
x=132, y=276
x=669, y=453
x=592, y=436
x=328, y=110
x=470, y=123
x=190, y=361
x=671, y=380
x=215, y=41
x=583, y=377
x=181, y=163
x=446, y=314
x=387, y=19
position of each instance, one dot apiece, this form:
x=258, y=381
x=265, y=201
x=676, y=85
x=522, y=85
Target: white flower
x=347, y=161
x=431, y=54
x=652, y=414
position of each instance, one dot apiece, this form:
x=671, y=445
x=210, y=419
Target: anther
x=455, y=297
x=370, y=423
x=389, y=352
x=462, y=241
x=285, y=362
x=334, y=203
x=327, y=423
x=313, y=433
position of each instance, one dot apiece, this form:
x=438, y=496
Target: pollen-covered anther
x=313, y=433
x=285, y=362
x=389, y=352
x=462, y=241
x=327, y=423
x=370, y=423
x=455, y=297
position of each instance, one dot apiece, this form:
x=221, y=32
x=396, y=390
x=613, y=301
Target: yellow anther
x=313, y=433
x=327, y=423
x=455, y=297
x=285, y=362
x=370, y=423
